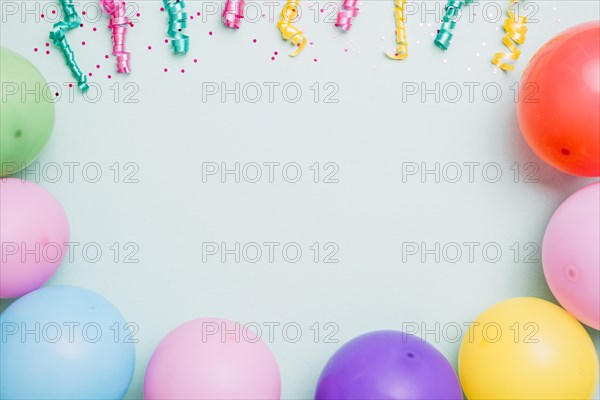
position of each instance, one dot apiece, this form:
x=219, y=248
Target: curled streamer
x=446, y=32
x=233, y=13
x=515, y=35
x=177, y=23
x=401, y=41
x=58, y=37
x=118, y=24
x=289, y=31
x=344, y=17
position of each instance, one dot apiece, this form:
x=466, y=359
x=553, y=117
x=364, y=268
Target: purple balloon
x=388, y=365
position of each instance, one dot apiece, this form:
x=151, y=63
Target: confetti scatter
x=344, y=17
x=515, y=35
x=451, y=14
x=118, y=25
x=177, y=23
x=58, y=37
x=288, y=30
x=233, y=13
x=401, y=40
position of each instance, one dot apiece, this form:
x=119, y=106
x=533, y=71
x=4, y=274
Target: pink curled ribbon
x=118, y=24
x=344, y=18
x=233, y=13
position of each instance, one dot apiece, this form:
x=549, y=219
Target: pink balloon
x=571, y=255
x=34, y=234
x=212, y=358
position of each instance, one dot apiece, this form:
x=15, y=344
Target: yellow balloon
x=527, y=348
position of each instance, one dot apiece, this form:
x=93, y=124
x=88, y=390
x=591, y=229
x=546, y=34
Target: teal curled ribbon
x=58, y=37
x=451, y=13
x=177, y=23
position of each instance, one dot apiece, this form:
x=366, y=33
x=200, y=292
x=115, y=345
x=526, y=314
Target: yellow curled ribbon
x=515, y=35
x=288, y=30
x=402, y=42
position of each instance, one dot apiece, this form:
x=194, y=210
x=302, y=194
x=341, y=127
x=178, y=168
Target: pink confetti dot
x=254, y=40
x=137, y=15
x=166, y=40
x=210, y=33
x=166, y=69
x=149, y=47
x=131, y=24
x=53, y=11
x=183, y=71
x=94, y=29
x=321, y=10
x=70, y=85
x=162, y=9
x=198, y=13
x=98, y=66
x=83, y=13
x=195, y=60
x=109, y=76
x=42, y=15
x=47, y=51
x=191, y=17
x=90, y=74
x=35, y=49
x=272, y=58
x=275, y=53
x=106, y=56
x=83, y=43
x=47, y=44
x=314, y=59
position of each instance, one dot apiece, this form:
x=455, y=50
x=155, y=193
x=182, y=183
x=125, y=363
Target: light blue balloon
x=65, y=342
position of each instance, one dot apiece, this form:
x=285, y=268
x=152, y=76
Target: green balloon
x=26, y=112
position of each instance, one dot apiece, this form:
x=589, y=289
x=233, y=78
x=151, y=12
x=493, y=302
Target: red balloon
x=559, y=101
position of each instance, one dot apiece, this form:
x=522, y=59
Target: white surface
x=369, y=133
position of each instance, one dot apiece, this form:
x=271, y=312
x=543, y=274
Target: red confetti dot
x=198, y=13
x=109, y=76
x=47, y=51
x=131, y=24
x=254, y=40
x=210, y=33
x=53, y=11
x=272, y=58
x=42, y=15
x=166, y=69
x=70, y=85
x=94, y=29
x=162, y=9
x=166, y=40
x=137, y=15
x=90, y=74
x=275, y=53
x=195, y=60
x=183, y=71
x=35, y=49
x=149, y=47
x=98, y=66
x=83, y=13
x=83, y=43
x=106, y=56
x=47, y=44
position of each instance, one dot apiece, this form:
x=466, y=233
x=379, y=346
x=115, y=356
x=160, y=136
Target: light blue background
x=369, y=133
